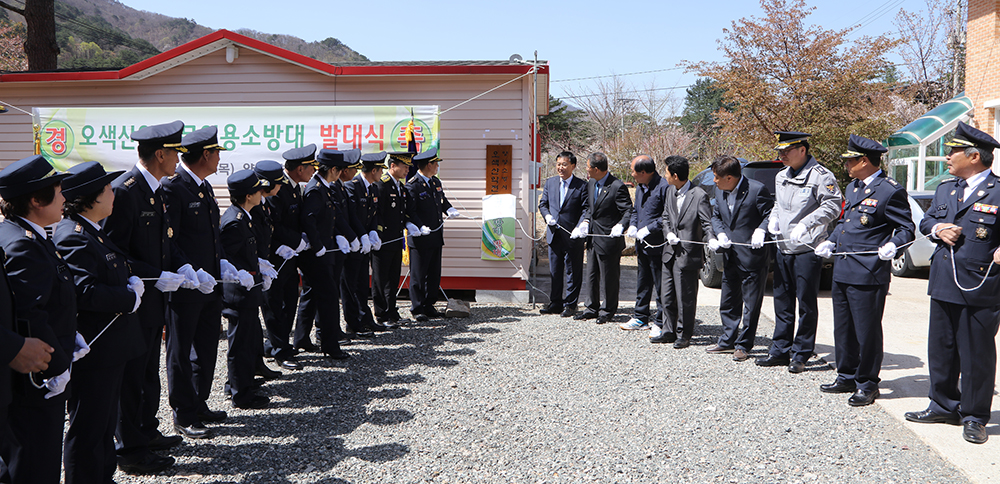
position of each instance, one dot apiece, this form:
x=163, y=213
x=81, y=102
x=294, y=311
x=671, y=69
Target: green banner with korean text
x=68, y=136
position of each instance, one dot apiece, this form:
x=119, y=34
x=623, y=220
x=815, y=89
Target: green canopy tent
x=917, y=151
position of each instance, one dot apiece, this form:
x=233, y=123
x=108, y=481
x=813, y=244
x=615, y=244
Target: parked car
x=917, y=256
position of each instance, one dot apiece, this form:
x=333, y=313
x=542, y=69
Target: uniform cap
x=968, y=137
x=28, y=175
x=786, y=139
x=206, y=138
x=161, y=136
x=246, y=182
x=87, y=178
x=305, y=155
x=370, y=160
x=271, y=171
x=331, y=158
x=428, y=156
x=404, y=157
x=858, y=146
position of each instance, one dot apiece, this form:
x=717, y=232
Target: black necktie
x=962, y=185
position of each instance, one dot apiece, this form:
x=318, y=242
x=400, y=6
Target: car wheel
x=902, y=267
x=710, y=275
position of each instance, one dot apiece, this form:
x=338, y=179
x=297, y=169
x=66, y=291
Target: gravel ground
x=511, y=396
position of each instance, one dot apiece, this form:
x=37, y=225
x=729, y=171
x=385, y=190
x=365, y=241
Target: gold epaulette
x=129, y=182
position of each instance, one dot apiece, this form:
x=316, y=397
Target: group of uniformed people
x=670, y=218
x=128, y=255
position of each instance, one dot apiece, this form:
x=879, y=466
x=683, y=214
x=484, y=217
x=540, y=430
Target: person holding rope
x=646, y=228
x=876, y=216
x=107, y=297
x=387, y=260
x=964, y=287
x=562, y=205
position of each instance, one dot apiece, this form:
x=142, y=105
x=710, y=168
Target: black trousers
x=354, y=293
x=857, y=332
x=740, y=302
x=244, y=337
x=648, y=282
x=320, y=300
x=961, y=341
x=93, y=413
x=386, y=270
x=33, y=453
x=796, y=277
x=192, y=345
x=425, y=279
x=278, y=308
x=566, y=264
x=140, y=399
x=678, y=299
x=608, y=268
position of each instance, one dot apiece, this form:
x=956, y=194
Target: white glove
x=576, y=234
x=366, y=244
x=617, y=230
x=267, y=283
x=190, y=280
x=425, y=230
x=585, y=228
x=757, y=239
x=799, y=234
x=342, y=244
x=713, y=244
x=824, y=249
x=772, y=226
x=246, y=279
x=266, y=268
x=452, y=213
x=169, y=281
x=375, y=239
x=57, y=384
x=229, y=272
x=355, y=245
x=135, y=285
x=724, y=241
x=550, y=220
x=286, y=252
x=82, y=348
x=206, y=282
x=887, y=251
x=413, y=230
x=642, y=233
x=672, y=238
x=303, y=245
x=321, y=252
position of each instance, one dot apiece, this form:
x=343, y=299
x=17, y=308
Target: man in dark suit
x=645, y=227
x=742, y=207
x=687, y=216
x=354, y=282
x=608, y=211
x=427, y=208
x=964, y=315
x=877, y=215
x=387, y=259
x=562, y=204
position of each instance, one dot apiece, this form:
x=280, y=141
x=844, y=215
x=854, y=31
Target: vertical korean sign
x=499, y=205
x=69, y=136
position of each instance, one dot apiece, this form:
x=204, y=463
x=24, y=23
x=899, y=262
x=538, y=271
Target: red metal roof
x=157, y=63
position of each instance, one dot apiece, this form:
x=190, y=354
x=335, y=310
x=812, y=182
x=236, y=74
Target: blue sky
x=579, y=39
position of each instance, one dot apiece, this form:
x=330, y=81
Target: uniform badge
x=29, y=234
x=151, y=201
x=953, y=192
x=393, y=204
x=832, y=188
x=170, y=232
x=868, y=190
x=864, y=219
x=78, y=229
x=201, y=195
x=855, y=189
x=100, y=240
x=981, y=193
x=982, y=232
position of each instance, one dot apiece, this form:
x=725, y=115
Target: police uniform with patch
x=101, y=274
x=386, y=262
x=426, y=208
x=963, y=323
x=876, y=212
x=354, y=292
x=140, y=227
x=808, y=196
x=43, y=285
x=240, y=305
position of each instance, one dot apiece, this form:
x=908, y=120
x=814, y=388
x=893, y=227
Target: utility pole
x=957, y=41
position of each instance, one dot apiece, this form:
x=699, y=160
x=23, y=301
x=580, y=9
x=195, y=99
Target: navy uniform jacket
x=568, y=215
x=650, y=213
x=391, y=209
x=318, y=216
x=43, y=285
x=10, y=342
x=262, y=228
x=100, y=271
x=751, y=211
x=347, y=223
x=427, y=205
x=613, y=207
x=974, y=250
x=366, y=206
x=692, y=222
x=139, y=226
x=239, y=240
x=873, y=216
x=194, y=218
x=286, y=228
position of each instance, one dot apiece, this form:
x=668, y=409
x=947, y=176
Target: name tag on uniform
x=985, y=208
x=110, y=257
x=194, y=204
x=805, y=191
x=147, y=214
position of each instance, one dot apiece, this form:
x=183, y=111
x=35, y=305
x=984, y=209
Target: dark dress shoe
x=585, y=315
x=363, y=333
x=930, y=416
x=339, y=355
x=863, y=397
x=288, y=364
x=796, y=367
x=974, y=432
x=568, y=312
x=549, y=310
x=740, y=355
x=603, y=319
x=164, y=442
x=682, y=343
x=383, y=326
x=435, y=314
x=772, y=360
x=212, y=415
x=266, y=373
x=718, y=350
x=253, y=402
x=838, y=386
x=664, y=337
x=421, y=318
x=194, y=431
x=149, y=464
x=309, y=348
